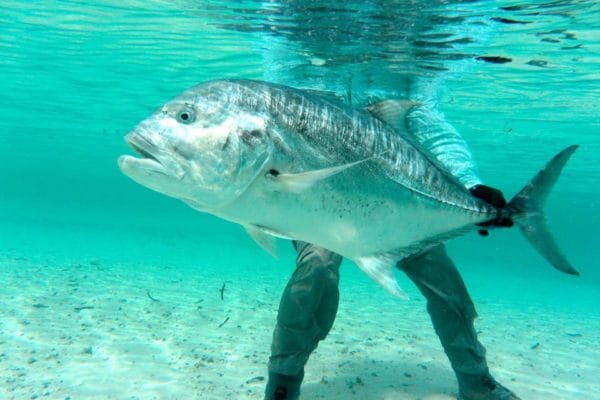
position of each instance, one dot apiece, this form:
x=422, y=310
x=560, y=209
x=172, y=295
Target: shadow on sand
x=365, y=378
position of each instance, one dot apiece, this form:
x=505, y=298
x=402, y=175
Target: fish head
x=200, y=147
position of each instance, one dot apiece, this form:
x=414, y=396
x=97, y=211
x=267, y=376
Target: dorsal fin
x=330, y=96
x=392, y=112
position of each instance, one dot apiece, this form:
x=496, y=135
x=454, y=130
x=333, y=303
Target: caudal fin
x=526, y=209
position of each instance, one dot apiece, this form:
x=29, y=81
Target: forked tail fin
x=526, y=209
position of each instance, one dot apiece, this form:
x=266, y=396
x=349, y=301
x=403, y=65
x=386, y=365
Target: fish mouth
x=141, y=146
x=147, y=160
x=149, y=157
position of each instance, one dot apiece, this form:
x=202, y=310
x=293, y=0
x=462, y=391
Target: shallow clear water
x=74, y=231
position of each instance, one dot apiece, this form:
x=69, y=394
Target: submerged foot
x=283, y=387
x=484, y=388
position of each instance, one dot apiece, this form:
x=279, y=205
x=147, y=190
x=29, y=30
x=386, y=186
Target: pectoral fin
x=264, y=240
x=297, y=183
x=381, y=269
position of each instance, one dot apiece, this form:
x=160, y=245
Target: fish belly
x=354, y=218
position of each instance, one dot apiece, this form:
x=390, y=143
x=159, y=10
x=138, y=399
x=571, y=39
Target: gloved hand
x=489, y=194
x=493, y=197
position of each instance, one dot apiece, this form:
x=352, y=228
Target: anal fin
x=381, y=269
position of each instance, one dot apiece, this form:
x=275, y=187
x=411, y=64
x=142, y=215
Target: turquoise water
x=75, y=77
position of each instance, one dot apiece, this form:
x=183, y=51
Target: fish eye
x=186, y=116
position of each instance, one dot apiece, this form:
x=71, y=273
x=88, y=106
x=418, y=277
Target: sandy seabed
x=90, y=328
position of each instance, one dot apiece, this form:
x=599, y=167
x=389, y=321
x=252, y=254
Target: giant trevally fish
x=288, y=163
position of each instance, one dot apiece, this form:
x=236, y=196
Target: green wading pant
x=310, y=301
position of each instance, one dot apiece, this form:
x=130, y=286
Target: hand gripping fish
x=287, y=163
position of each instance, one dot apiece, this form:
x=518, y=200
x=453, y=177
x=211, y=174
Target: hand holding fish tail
x=495, y=198
x=489, y=194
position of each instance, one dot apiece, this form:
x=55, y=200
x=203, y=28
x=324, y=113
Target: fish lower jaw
x=129, y=164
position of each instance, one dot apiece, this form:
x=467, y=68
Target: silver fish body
x=284, y=162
